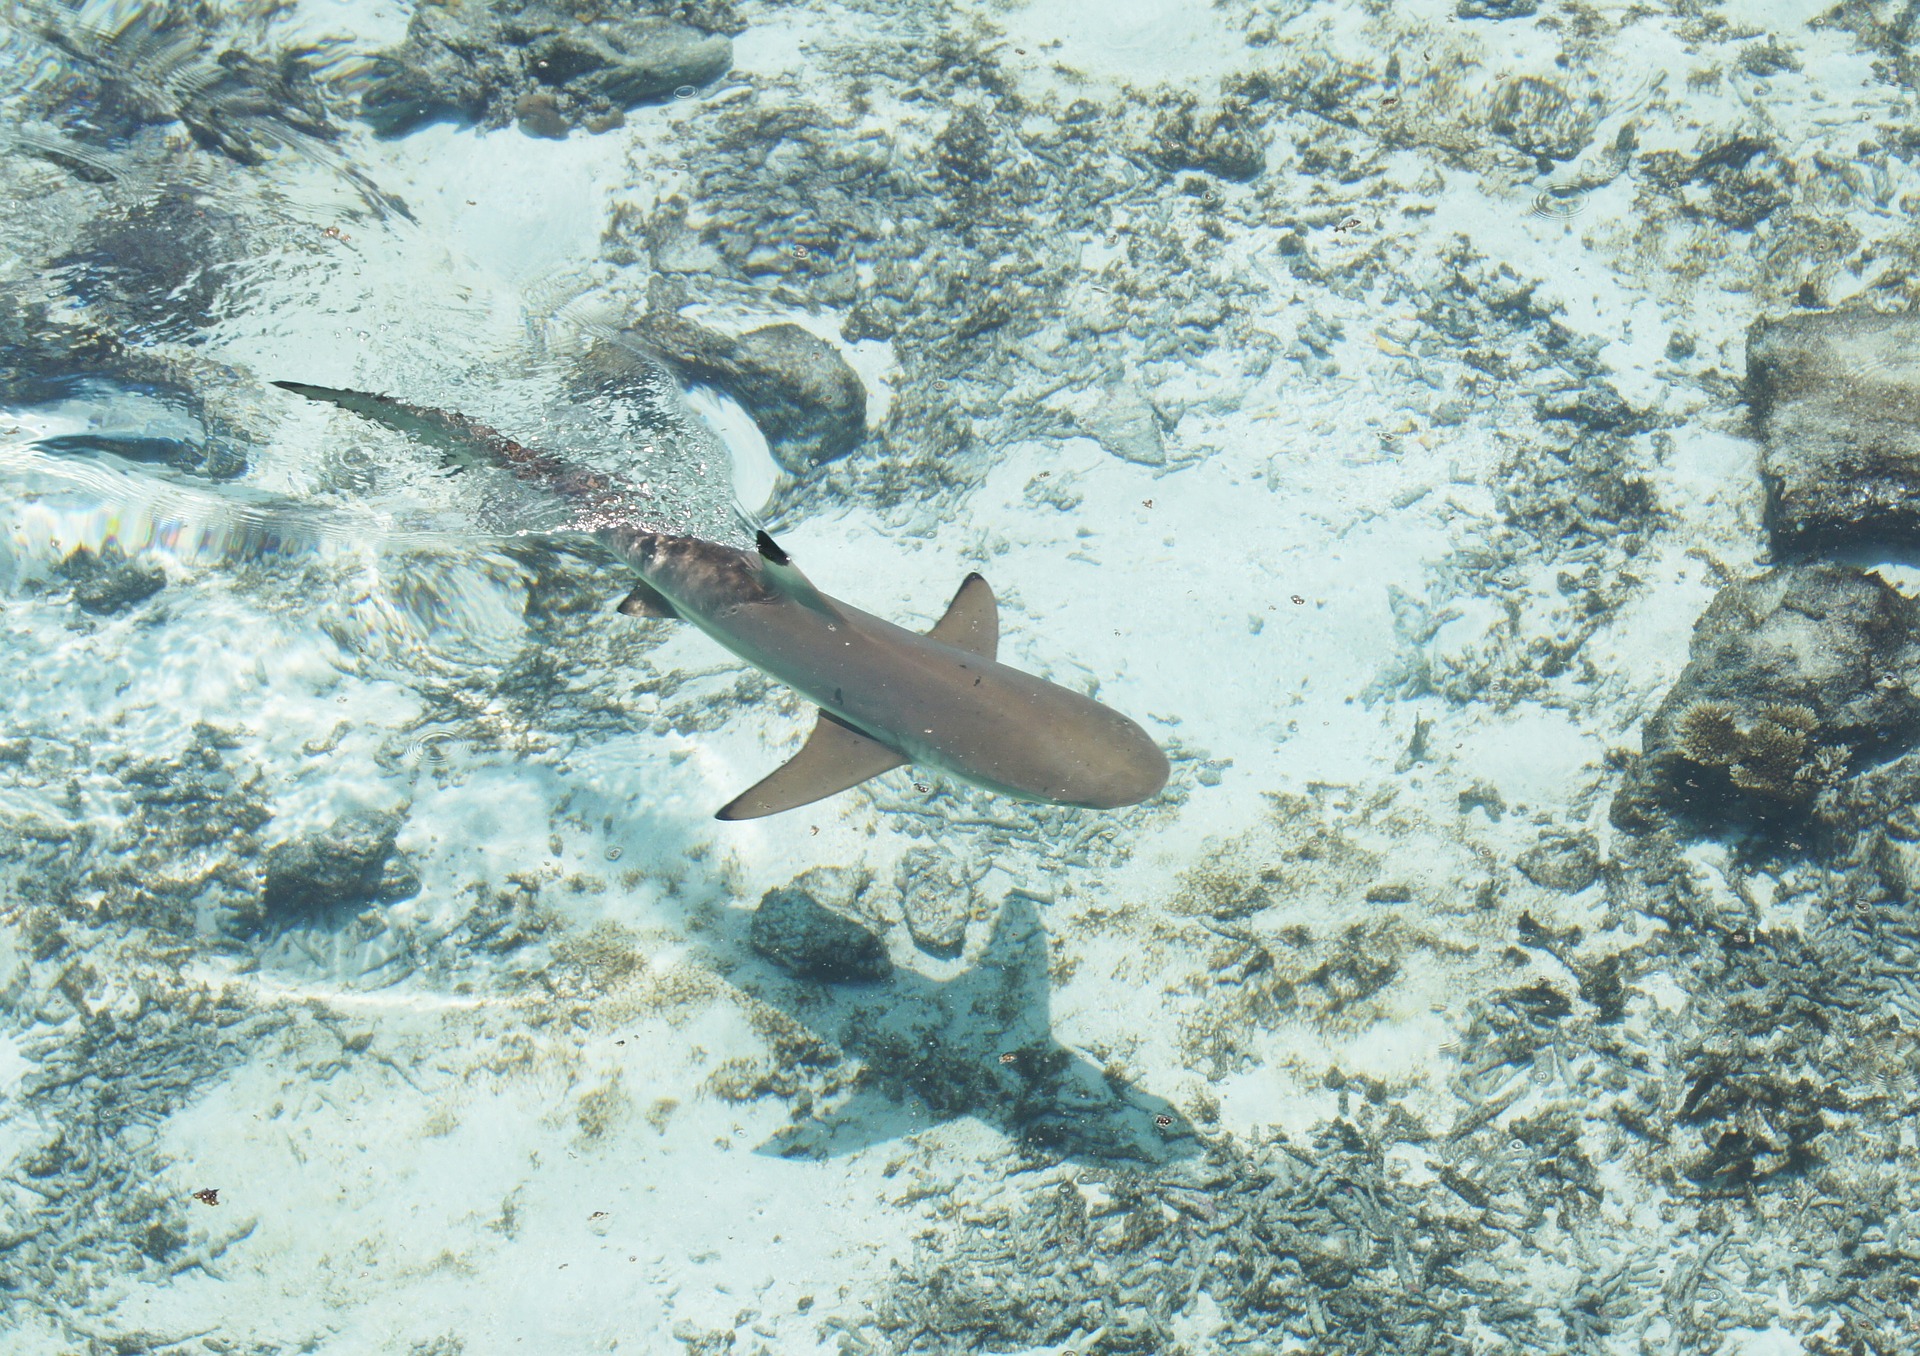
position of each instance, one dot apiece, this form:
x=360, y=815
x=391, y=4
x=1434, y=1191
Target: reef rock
x=1561, y=861
x=1795, y=680
x=106, y=582
x=543, y=66
x=347, y=866
x=809, y=941
x=631, y=61
x=1225, y=141
x=1541, y=118
x=809, y=404
x=1837, y=396
x=1121, y=419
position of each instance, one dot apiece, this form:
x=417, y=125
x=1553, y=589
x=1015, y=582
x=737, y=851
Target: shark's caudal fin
x=454, y=435
x=835, y=757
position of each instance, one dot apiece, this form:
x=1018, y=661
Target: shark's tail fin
x=457, y=437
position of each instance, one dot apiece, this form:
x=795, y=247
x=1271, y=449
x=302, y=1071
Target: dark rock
x=1796, y=679
x=1543, y=120
x=159, y=64
x=807, y=401
x=794, y=931
x=156, y=266
x=964, y=149
x=1496, y=9
x=425, y=83
x=349, y=865
x=541, y=66
x=1565, y=862
x=1746, y=183
x=1225, y=141
x=631, y=62
x=106, y=582
x=1837, y=398
x=1595, y=405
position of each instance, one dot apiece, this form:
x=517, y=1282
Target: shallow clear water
x=1474, y=441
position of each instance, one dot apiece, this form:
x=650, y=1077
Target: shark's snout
x=1125, y=768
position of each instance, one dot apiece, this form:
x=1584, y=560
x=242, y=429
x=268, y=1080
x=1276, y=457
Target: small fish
x=887, y=696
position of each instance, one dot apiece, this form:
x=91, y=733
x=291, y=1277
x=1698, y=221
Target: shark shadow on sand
x=980, y=1044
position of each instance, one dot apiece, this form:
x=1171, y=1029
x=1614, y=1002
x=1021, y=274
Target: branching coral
x=1776, y=758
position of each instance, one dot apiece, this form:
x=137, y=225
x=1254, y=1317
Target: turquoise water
x=1473, y=442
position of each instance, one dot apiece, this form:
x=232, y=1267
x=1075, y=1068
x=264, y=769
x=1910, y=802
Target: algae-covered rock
x=631, y=61
x=808, y=402
x=1541, y=118
x=809, y=941
x=105, y=581
x=344, y=867
x=1837, y=397
x=1568, y=862
x=548, y=68
x=1796, y=679
x=1226, y=141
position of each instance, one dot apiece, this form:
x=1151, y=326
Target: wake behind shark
x=887, y=696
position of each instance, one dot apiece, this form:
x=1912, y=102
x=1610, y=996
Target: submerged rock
x=1568, y=862
x=809, y=941
x=936, y=895
x=1542, y=119
x=1796, y=679
x=1225, y=141
x=1122, y=420
x=630, y=61
x=105, y=582
x=809, y=404
x=350, y=864
x=1837, y=396
x=159, y=266
x=544, y=67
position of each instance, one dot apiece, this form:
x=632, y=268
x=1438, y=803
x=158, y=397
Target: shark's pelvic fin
x=835, y=757
x=973, y=619
x=785, y=577
x=647, y=601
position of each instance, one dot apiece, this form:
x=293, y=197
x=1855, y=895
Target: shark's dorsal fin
x=786, y=578
x=973, y=619
x=647, y=601
x=835, y=757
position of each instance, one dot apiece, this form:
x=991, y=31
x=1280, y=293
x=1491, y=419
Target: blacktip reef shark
x=887, y=696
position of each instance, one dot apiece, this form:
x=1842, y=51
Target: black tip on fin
x=771, y=549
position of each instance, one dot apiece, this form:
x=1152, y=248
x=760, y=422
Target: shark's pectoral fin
x=647, y=601
x=973, y=619
x=835, y=757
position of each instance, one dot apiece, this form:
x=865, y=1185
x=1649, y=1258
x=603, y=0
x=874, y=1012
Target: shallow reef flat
x=1475, y=439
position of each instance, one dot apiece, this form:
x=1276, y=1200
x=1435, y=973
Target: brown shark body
x=887, y=696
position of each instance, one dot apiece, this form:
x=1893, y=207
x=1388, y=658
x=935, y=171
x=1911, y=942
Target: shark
x=886, y=696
